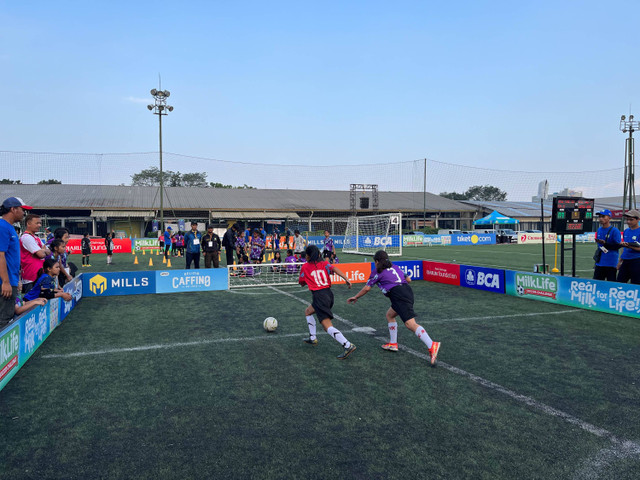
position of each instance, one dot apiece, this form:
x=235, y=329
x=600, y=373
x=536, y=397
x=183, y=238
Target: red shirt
x=316, y=275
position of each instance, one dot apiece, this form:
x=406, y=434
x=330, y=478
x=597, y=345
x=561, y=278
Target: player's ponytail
x=313, y=253
x=383, y=260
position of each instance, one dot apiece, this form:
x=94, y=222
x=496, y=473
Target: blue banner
x=338, y=241
x=490, y=279
x=174, y=281
x=74, y=287
x=34, y=329
x=118, y=283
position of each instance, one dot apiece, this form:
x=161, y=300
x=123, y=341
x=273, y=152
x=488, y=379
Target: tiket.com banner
x=473, y=239
x=173, y=281
x=355, y=272
x=448, y=273
x=120, y=245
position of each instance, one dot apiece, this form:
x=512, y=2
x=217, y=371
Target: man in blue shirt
x=192, y=246
x=167, y=242
x=12, y=211
x=629, y=263
x=608, y=240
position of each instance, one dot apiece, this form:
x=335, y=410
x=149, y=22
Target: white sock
x=421, y=333
x=335, y=333
x=311, y=323
x=393, y=332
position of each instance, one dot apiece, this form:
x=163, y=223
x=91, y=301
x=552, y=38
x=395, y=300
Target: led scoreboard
x=572, y=215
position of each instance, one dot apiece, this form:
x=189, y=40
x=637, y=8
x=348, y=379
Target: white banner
x=524, y=237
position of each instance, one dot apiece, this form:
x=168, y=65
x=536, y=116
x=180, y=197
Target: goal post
x=365, y=235
x=263, y=274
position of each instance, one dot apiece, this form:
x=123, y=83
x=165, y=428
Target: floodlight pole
x=160, y=108
x=629, y=198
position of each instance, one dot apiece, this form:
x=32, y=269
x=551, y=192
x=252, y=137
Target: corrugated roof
x=254, y=215
x=123, y=213
x=111, y=197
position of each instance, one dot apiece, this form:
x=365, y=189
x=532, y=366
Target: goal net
x=264, y=274
x=366, y=235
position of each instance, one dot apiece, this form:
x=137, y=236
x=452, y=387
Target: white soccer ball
x=270, y=324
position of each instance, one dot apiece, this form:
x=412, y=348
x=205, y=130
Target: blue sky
x=535, y=86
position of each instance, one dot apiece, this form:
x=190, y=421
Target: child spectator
x=58, y=253
x=292, y=260
x=257, y=247
x=45, y=286
x=277, y=258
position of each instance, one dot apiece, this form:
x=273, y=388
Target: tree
x=150, y=177
x=487, y=193
x=51, y=181
x=6, y=181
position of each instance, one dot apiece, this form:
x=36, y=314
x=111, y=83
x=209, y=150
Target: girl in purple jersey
x=395, y=284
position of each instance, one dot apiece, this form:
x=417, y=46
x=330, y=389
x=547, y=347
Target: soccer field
x=191, y=386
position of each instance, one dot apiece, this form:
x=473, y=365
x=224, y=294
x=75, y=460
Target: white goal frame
x=263, y=274
x=367, y=234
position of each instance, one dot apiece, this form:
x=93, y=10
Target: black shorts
x=322, y=303
x=86, y=252
x=402, y=301
x=326, y=254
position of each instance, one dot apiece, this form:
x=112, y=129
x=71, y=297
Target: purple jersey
x=240, y=243
x=328, y=245
x=257, y=246
x=387, y=279
x=293, y=268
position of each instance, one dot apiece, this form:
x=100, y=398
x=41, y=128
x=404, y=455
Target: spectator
x=46, y=285
x=192, y=242
x=229, y=242
x=608, y=240
x=276, y=238
x=49, y=235
x=32, y=251
x=108, y=242
x=22, y=306
x=629, y=263
x=167, y=242
x=69, y=269
x=58, y=254
x=86, y=250
x=161, y=239
x=174, y=246
x=180, y=243
x=12, y=211
x=211, y=247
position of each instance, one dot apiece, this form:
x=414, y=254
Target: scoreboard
x=572, y=215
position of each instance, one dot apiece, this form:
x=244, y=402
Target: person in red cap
x=12, y=211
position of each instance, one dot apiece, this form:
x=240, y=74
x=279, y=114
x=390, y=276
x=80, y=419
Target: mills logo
x=98, y=284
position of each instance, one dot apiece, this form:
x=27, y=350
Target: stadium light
x=160, y=108
x=630, y=126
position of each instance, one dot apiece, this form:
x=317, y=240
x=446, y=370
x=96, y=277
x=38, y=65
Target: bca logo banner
x=490, y=279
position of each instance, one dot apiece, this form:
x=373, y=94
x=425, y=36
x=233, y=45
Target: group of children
x=315, y=273
x=174, y=245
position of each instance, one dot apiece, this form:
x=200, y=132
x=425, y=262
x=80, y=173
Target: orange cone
x=169, y=263
x=143, y=252
x=135, y=262
x=151, y=262
x=164, y=259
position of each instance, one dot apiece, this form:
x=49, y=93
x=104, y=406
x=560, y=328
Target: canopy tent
x=496, y=218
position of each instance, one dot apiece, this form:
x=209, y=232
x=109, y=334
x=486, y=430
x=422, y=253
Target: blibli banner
x=473, y=239
x=118, y=283
x=412, y=269
x=609, y=297
x=490, y=279
x=174, y=281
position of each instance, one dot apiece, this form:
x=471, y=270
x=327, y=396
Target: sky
x=531, y=86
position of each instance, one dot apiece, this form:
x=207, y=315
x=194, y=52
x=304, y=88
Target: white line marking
x=165, y=346
x=593, y=467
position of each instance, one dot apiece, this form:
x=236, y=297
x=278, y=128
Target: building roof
x=111, y=197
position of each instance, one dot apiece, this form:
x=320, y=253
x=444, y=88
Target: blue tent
x=496, y=218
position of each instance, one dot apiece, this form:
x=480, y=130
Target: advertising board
x=481, y=278
x=448, y=273
x=120, y=245
x=118, y=283
x=194, y=280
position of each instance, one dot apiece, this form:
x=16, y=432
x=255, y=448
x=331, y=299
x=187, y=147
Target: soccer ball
x=270, y=324
x=520, y=290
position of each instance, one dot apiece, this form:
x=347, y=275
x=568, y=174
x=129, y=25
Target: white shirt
x=299, y=242
x=30, y=243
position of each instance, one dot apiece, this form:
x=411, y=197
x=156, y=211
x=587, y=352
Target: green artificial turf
x=191, y=386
